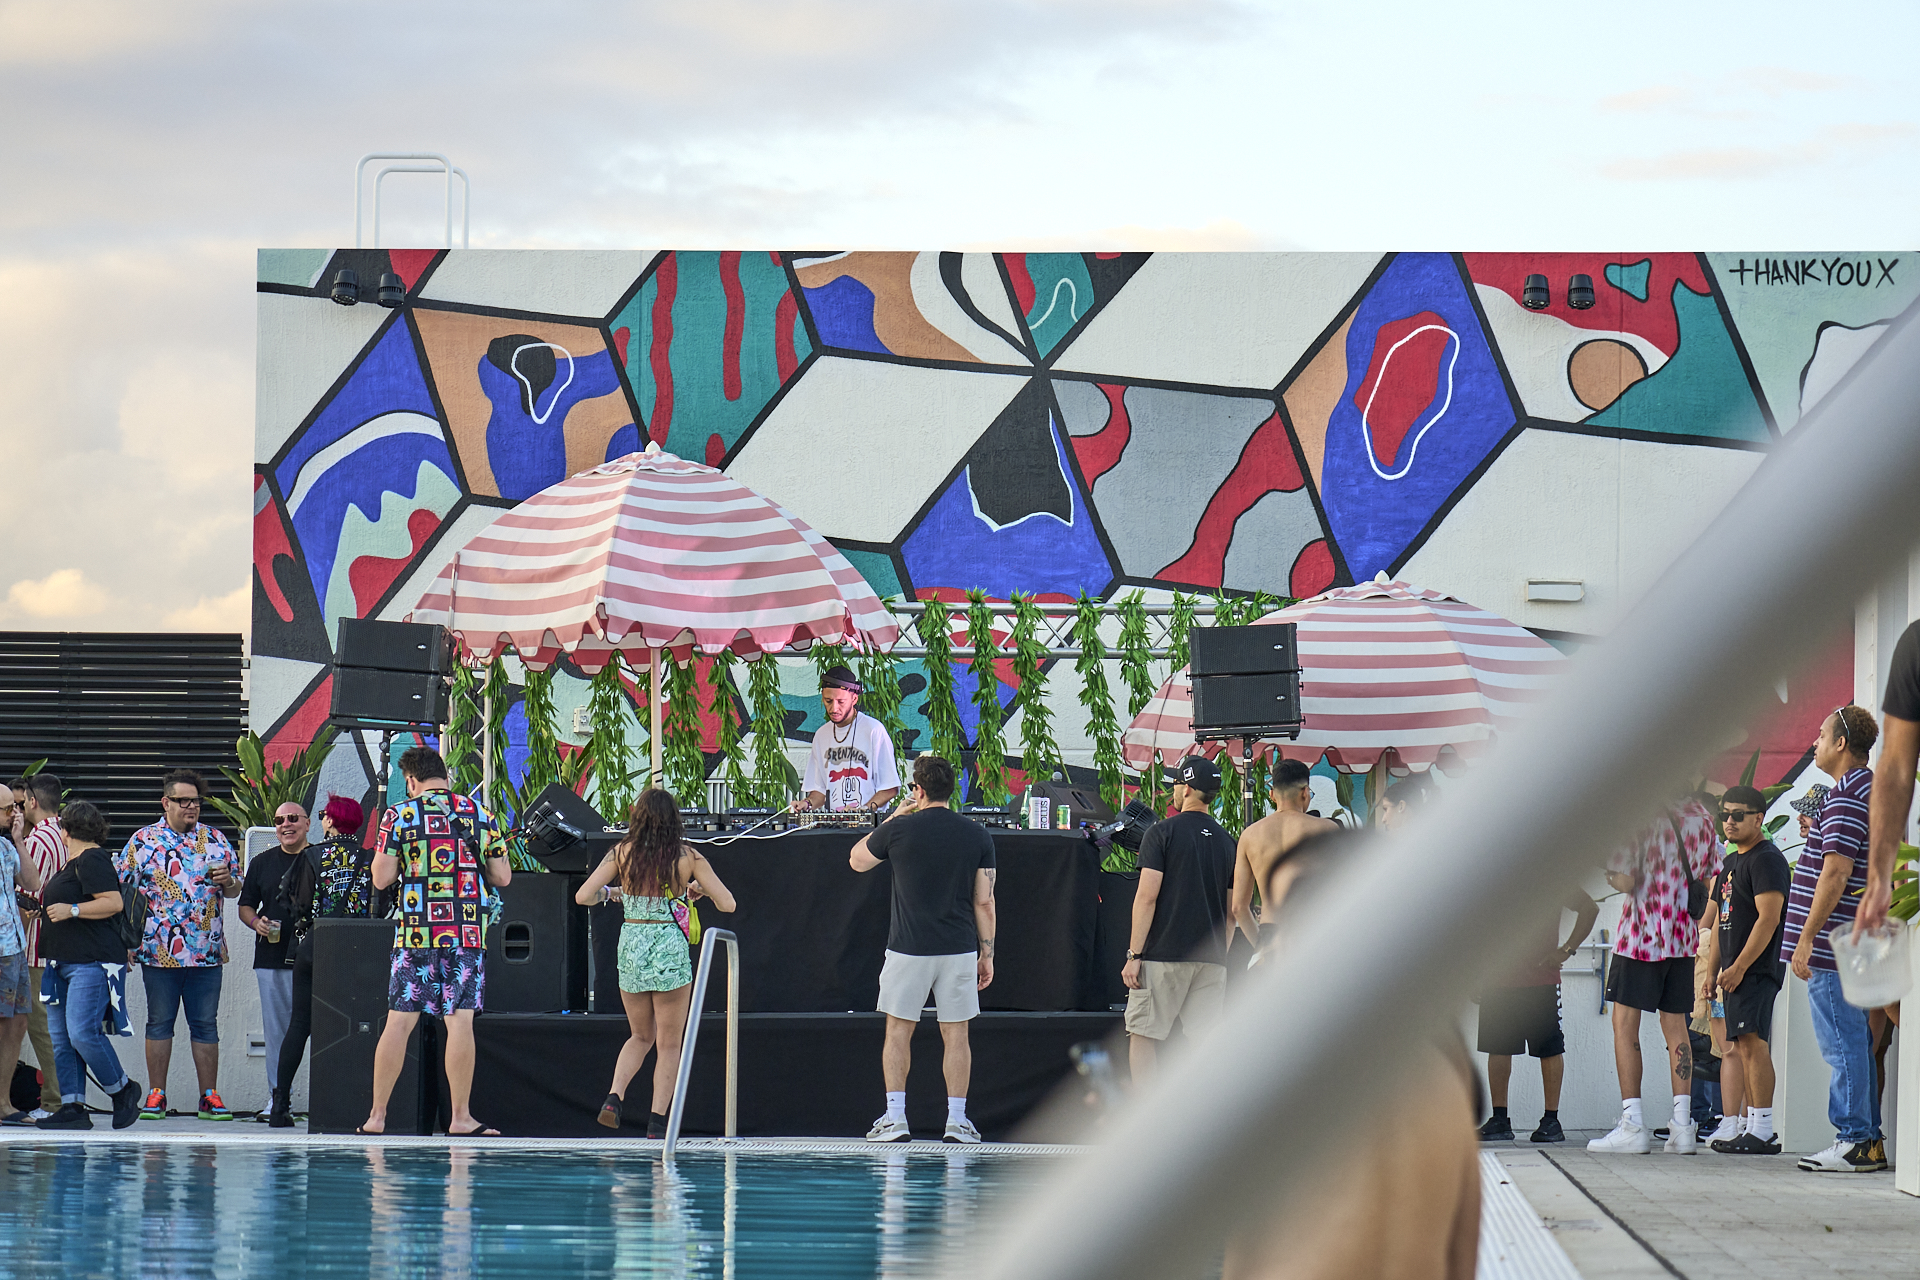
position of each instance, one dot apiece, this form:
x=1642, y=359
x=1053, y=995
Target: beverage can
x=1063, y=818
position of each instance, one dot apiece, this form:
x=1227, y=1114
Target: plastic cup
x=1876, y=969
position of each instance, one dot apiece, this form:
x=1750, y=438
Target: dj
x=852, y=762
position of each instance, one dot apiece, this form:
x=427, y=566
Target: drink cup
x=1876, y=969
x=273, y=931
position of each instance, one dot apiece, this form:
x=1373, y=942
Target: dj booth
x=812, y=935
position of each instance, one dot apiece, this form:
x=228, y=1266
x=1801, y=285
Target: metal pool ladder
x=677, y=1111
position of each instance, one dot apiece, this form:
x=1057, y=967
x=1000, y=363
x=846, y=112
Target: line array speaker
x=394, y=646
x=402, y=697
x=1245, y=678
x=1244, y=651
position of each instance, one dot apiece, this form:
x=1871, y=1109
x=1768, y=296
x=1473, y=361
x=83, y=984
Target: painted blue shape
x=387, y=381
x=1375, y=519
x=963, y=687
x=526, y=455
x=955, y=545
x=843, y=315
x=516, y=745
x=625, y=441
x=1631, y=279
x=384, y=464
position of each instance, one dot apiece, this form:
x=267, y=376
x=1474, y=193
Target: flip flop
x=480, y=1132
x=370, y=1133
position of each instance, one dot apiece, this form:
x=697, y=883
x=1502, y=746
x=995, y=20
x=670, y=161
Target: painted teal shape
x=1631, y=279
x=877, y=568
x=298, y=267
x=1062, y=294
x=683, y=362
x=1701, y=391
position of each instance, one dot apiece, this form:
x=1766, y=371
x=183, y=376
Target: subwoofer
x=351, y=961
x=537, y=953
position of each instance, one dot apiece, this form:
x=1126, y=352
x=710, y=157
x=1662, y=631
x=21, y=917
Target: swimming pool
x=191, y=1209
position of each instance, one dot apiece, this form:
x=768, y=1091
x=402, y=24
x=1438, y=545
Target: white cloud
x=225, y=613
x=63, y=595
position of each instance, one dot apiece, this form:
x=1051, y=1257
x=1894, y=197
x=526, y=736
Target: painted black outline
x=1645, y=372
x=1342, y=575
x=1013, y=305
x=339, y=383
x=1072, y=335
x=1079, y=478
x=799, y=290
x=887, y=549
x=956, y=288
x=1603, y=432
x=1488, y=336
x=1739, y=347
x=426, y=273
x=439, y=406
x=1440, y=514
x=299, y=557
x=766, y=410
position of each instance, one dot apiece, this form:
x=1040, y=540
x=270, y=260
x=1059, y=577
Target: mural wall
x=1054, y=423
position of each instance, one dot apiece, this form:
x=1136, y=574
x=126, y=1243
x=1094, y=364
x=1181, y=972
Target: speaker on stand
x=390, y=676
x=1246, y=685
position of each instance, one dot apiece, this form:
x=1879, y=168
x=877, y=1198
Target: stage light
x=390, y=293
x=1580, y=292
x=346, y=287
x=1535, y=297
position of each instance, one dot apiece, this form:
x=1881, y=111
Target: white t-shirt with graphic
x=850, y=763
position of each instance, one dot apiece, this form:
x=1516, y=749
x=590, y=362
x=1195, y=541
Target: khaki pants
x=42, y=1042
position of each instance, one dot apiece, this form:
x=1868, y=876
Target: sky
x=151, y=149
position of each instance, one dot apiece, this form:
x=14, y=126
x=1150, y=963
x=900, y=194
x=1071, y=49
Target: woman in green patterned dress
x=647, y=871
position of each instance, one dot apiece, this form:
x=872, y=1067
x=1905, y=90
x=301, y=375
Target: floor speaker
x=537, y=953
x=351, y=961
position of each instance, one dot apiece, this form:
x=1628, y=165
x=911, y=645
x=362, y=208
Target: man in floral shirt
x=187, y=871
x=439, y=846
x=1652, y=967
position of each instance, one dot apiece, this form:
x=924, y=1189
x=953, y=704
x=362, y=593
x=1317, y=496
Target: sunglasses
x=1738, y=815
x=288, y=820
x=185, y=802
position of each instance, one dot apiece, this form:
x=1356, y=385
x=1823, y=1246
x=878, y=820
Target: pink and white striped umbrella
x=1384, y=667
x=651, y=552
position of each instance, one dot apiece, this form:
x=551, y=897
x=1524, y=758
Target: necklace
x=853, y=723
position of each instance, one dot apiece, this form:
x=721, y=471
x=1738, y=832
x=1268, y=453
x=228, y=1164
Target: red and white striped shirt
x=48, y=848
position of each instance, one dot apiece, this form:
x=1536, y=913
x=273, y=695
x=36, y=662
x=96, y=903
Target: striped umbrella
x=1385, y=667
x=645, y=553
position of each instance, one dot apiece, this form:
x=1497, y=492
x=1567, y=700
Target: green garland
x=495, y=692
x=1039, y=752
x=1136, y=668
x=729, y=733
x=989, y=750
x=1179, y=623
x=946, y=737
x=1095, y=696
x=460, y=748
x=772, y=784
x=543, y=735
x=882, y=697
x=1227, y=801
x=686, y=768
x=612, y=754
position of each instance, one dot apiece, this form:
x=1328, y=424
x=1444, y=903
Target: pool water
x=73, y=1209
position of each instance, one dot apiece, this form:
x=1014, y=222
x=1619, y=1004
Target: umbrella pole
x=653, y=738
x=486, y=745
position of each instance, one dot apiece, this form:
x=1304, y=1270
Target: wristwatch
x=1134, y=955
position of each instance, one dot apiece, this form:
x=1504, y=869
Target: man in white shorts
x=940, y=942
x=851, y=765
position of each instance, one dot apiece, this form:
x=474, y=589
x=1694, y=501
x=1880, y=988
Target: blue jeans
x=1853, y=1097
x=168, y=989
x=75, y=1028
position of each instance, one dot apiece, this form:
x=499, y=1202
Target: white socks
x=1683, y=1109
x=1760, y=1123
x=897, y=1105
x=956, y=1109
x=1630, y=1108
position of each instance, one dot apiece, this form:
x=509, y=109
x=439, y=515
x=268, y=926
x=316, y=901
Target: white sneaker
x=39, y=1113
x=1730, y=1128
x=1683, y=1139
x=887, y=1130
x=961, y=1130
x=1631, y=1139
x=1831, y=1160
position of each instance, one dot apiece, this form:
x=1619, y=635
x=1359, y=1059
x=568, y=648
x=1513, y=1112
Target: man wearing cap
x=1182, y=918
x=852, y=762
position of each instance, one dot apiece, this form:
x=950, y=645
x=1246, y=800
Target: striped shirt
x=48, y=848
x=1840, y=829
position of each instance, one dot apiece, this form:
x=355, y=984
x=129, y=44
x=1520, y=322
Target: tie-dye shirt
x=1654, y=924
x=442, y=840
x=184, y=929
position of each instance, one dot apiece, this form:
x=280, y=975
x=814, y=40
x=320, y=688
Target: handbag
x=684, y=915
x=1696, y=892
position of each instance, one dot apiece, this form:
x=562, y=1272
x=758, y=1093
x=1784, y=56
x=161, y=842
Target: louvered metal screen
x=113, y=711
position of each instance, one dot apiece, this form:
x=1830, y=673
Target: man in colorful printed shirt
x=440, y=847
x=1652, y=967
x=186, y=871
x=1827, y=883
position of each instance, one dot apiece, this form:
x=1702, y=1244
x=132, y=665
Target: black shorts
x=1749, y=1007
x=1665, y=986
x=1515, y=1020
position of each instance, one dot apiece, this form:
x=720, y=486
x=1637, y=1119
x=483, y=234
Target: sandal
x=610, y=1111
x=370, y=1133
x=478, y=1131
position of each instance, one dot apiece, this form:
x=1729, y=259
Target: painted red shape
x=1100, y=452
x=1783, y=733
x=786, y=317
x=1022, y=280
x=270, y=543
x=1107, y=256
x=1312, y=570
x=716, y=449
x=666, y=284
x=621, y=337
x=300, y=728
x=1613, y=309
x=370, y=576
x=1267, y=463
x=1402, y=381
x=736, y=326
x=408, y=264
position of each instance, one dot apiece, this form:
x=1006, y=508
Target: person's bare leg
x=12, y=1031
x=896, y=1055
x=1757, y=1057
x=459, y=1058
x=957, y=1063
x=206, y=1065
x=389, y=1055
x=1143, y=1058
x=159, y=1059
x=1733, y=1073
x=1626, y=1050
x=633, y=1054
x=1679, y=1053
x=1552, y=1071
x=1499, y=1076
x=670, y=1032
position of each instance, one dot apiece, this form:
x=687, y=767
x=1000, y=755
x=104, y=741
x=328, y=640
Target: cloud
x=1223, y=235
x=230, y=612
x=1658, y=95
x=1836, y=142
x=63, y=594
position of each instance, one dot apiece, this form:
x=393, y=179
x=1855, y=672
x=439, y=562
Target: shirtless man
x=1266, y=843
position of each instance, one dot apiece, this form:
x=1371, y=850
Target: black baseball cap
x=840, y=678
x=1198, y=772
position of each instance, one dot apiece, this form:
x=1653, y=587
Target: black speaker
x=1246, y=702
x=537, y=953
x=1083, y=803
x=565, y=832
x=351, y=961
x=1244, y=651
x=393, y=646
x=397, y=697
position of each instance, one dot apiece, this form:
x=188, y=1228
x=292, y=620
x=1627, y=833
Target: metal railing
x=1055, y=630
x=679, y=1108
x=1238, y=1130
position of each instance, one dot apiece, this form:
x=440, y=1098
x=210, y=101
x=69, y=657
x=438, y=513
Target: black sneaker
x=1861, y=1158
x=657, y=1125
x=1549, y=1131
x=1497, y=1129
x=1663, y=1133
x=1748, y=1144
x=126, y=1104
x=71, y=1115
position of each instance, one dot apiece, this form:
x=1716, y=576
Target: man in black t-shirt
x=263, y=910
x=941, y=939
x=1892, y=778
x=1182, y=917
x=1743, y=951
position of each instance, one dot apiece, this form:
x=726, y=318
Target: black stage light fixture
x=346, y=287
x=1535, y=296
x=390, y=293
x=1580, y=292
